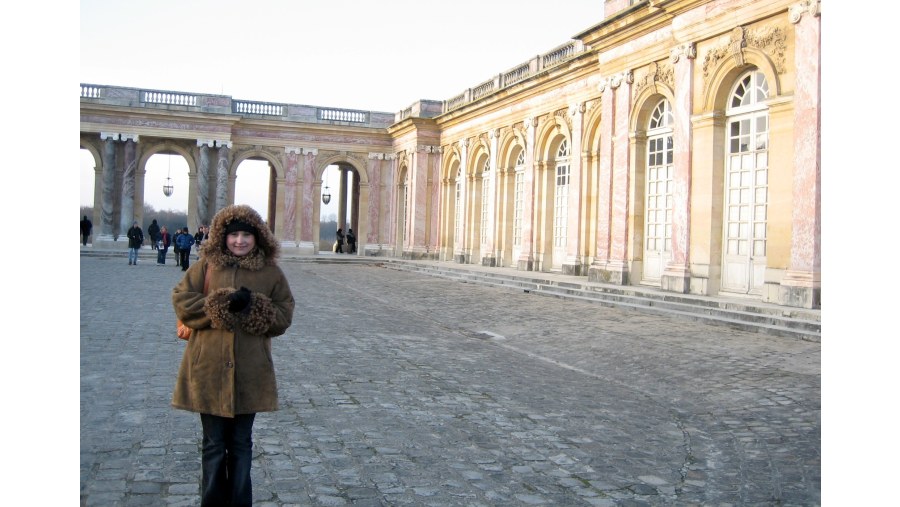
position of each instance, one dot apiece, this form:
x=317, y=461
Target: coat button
x=229, y=364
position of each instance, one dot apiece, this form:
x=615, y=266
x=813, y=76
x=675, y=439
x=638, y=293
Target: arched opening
x=658, y=193
x=746, y=185
x=254, y=186
x=163, y=170
x=328, y=214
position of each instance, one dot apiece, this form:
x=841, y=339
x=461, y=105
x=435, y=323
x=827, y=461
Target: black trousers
x=227, y=453
x=185, y=256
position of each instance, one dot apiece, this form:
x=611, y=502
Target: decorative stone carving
x=656, y=73
x=770, y=39
x=687, y=50
x=796, y=11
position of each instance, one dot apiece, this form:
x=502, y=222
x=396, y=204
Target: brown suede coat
x=227, y=366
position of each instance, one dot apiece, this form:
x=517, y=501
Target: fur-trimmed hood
x=217, y=253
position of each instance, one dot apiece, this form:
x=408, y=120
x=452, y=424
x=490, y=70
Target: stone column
x=289, y=201
x=222, y=176
x=617, y=266
x=572, y=264
x=127, y=214
x=801, y=285
x=676, y=274
x=611, y=263
x=108, y=192
x=373, y=235
x=525, y=262
x=203, y=182
x=488, y=254
x=342, y=200
x=597, y=271
x=460, y=242
x=418, y=198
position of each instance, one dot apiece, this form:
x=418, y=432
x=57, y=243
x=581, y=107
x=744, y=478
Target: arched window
x=518, y=198
x=658, y=198
x=561, y=196
x=746, y=182
x=485, y=199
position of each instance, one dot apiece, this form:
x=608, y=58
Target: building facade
x=675, y=144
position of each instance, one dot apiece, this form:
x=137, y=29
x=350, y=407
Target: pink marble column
x=108, y=189
x=222, y=176
x=460, y=247
x=488, y=253
x=801, y=284
x=203, y=183
x=604, y=190
x=677, y=273
x=621, y=170
x=572, y=263
x=435, y=177
x=306, y=212
x=128, y=184
x=525, y=261
x=373, y=171
x=289, y=213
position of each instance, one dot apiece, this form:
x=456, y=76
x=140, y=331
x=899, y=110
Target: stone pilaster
x=676, y=274
x=573, y=265
x=525, y=262
x=801, y=285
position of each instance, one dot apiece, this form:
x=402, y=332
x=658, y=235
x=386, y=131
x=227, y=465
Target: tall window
x=561, y=197
x=518, y=198
x=746, y=185
x=658, y=211
x=458, y=209
x=485, y=200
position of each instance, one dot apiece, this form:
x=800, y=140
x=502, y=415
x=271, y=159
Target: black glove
x=238, y=300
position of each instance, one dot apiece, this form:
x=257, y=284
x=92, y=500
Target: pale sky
x=354, y=54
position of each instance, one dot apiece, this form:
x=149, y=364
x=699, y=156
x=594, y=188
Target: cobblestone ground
x=402, y=389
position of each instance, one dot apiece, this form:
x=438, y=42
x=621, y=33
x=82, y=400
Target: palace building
x=674, y=143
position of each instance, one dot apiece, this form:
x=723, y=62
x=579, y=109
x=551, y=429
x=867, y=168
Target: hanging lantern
x=326, y=195
x=168, y=188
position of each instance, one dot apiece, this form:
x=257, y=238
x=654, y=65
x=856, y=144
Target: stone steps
x=747, y=315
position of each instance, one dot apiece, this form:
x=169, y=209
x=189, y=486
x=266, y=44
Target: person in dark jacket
x=153, y=232
x=86, y=227
x=185, y=241
x=135, y=240
x=351, y=241
x=235, y=299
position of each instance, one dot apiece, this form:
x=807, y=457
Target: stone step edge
x=540, y=289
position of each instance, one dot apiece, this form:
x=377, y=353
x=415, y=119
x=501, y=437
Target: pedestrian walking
x=163, y=246
x=153, y=232
x=135, y=240
x=86, y=227
x=185, y=241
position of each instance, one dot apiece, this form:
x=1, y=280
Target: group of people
x=339, y=246
x=160, y=240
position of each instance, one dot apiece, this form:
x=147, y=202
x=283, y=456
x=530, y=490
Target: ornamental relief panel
x=654, y=73
x=771, y=40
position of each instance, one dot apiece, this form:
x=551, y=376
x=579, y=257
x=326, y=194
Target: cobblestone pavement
x=402, y=389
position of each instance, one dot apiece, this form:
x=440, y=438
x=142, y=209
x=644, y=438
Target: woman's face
x=240, y=243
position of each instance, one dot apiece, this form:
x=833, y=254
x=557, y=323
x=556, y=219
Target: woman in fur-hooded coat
x=227, y=365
